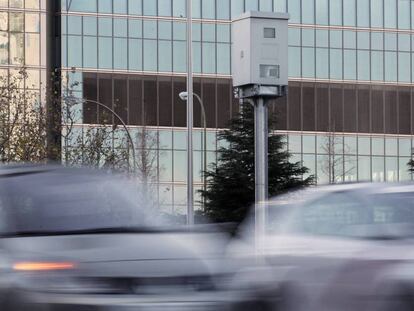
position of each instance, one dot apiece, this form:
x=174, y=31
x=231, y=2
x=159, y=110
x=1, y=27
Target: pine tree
x=230, y=190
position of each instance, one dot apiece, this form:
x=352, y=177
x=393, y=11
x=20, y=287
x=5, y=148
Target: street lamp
x=190, y=193
x=184, y=96
x=90, y=101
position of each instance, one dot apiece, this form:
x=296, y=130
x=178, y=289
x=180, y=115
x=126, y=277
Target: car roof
x=314, y=192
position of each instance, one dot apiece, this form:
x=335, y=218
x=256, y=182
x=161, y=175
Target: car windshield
x=346, y=214
x=70, y=200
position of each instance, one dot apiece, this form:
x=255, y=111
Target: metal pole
x=261, y=167
x=190, y=108
x=203, y=112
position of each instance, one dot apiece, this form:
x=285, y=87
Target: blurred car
x=76, y=239
x=344, y=247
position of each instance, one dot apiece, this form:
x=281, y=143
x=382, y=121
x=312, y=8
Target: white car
x=344, y=247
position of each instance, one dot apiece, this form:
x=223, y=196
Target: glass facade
x=23, y=40
x=351, y=78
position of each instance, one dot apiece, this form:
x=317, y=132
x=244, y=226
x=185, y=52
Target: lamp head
x=183, y=95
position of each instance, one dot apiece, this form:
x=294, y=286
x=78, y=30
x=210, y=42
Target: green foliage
x=230, y=190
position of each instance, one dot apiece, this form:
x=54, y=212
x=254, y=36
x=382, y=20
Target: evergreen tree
x=410, y=165
x=231, y=181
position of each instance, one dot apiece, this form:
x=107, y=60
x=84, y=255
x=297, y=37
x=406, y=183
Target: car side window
x=330, y=214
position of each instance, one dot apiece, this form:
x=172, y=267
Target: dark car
x=345, y=247
x=76, y=239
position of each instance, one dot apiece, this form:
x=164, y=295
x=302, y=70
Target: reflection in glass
x=364, y=168
x=322, y=13
x=16, y=21
x=32, y=23
x=4, y=48
x=32, y=49
x=378, y=169
x=378, y=146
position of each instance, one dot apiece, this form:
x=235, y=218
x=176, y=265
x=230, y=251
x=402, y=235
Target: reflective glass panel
x=335, y=12
x=322, y=61
x=377, y=13
x=120, y=27
x=294, y=10
x=404, y=42
x=377, y=146
x=135, y=28
x=179, y=8
x=105, y=26
x=294, y=62
x=90, y=52
x=363, y=13
x=390, y=14
x=308, y=12
x=322, y=38
x=32, y=23
x=390, y=66
x=135, y=7
x=90, y=26
x=363, y=65
x=150, y=7
x=377, y=65
x=251, y=5
x=120, y=53
x=135, y=54
x=120, y=6
x=208, y=9
x=105, y=53
x=404, y=9
x=223, y=9
x=336, y=39
x=377, y=41
x=349, y=39
x=223, y=58
x=165, y=55
x=164, y=7
x=378, y=169
x=322, y=13
x=209, y=58
x=164, y=30
x=150, y=55
x=350, y=64
x=404, y=65
x=179, y=56
x=308, y=62
x=349, y=12
x=336, y=64
x=32, y=50
x=104, y=6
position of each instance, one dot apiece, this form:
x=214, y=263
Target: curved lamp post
x=184, y=96
x=119, y=119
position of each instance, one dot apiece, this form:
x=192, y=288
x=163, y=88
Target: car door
x=315, y=248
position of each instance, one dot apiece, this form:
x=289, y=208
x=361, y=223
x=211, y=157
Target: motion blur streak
x=43, y=266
